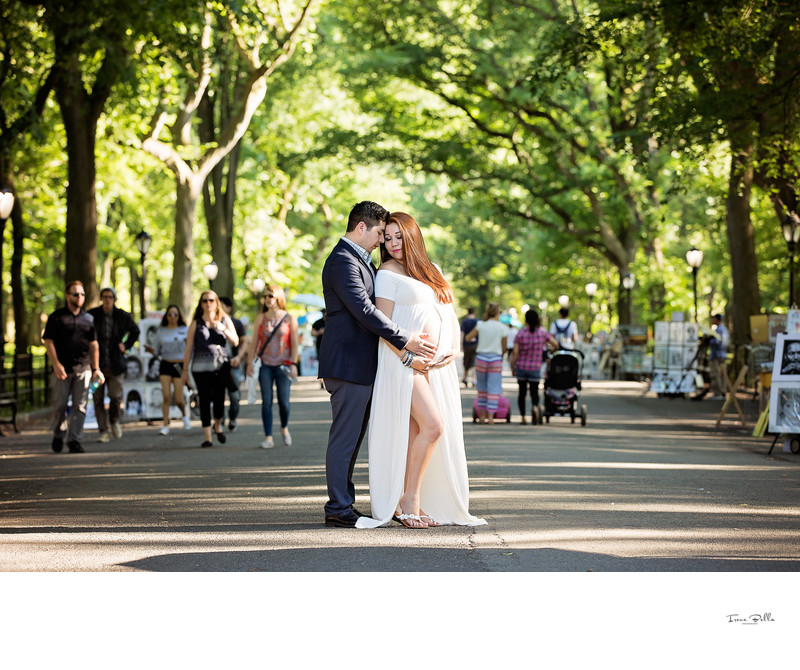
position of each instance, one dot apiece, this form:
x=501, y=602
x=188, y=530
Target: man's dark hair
x=225, y=300
x=564, y=312
x=370, y=213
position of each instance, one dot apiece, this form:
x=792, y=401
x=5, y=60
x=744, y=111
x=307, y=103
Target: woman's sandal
x=408, y=519
x=428, y=520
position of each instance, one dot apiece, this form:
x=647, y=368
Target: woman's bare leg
x=177, y=395
x=425, y=414
x=166, y=382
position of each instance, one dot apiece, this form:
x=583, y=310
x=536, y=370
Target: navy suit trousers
x=350, y=404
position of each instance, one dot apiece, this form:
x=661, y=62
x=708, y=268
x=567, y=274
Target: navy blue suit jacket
x=353, y=324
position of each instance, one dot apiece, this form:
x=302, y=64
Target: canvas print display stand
x=675, y=354
x=784, y=398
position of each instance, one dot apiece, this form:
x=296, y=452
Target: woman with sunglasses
x=275, y=342
x=170, y=345
x=206, y=338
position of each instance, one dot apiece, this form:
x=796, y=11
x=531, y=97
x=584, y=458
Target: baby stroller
x=562, y=385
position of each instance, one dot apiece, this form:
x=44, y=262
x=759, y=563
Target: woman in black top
x=209, y=331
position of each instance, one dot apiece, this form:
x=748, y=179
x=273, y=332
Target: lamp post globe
x=628, y=282
x=258, y=285
x=6, y=204
x=694, y=257
x=790, y=227
x=211, y=271
x=563, y=300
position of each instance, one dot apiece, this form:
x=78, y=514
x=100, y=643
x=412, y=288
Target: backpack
x=561, y=335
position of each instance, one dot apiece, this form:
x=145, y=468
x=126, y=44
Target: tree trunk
x=219, y=198
x=181, y=292
x=741, y=238
x=78, y=112
x=21, y=330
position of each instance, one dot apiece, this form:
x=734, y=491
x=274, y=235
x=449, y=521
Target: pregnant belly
x=439, y=334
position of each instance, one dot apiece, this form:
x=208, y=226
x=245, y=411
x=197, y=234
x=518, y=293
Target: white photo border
x=780, y=345
x=777, y=420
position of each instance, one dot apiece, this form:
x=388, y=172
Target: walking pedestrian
x=117, y=332
x=564, y=329
x=469, y=347
x=238, y=358
x=71, y=343
x=169, y=346
x=491, y=333
x=275, y=344
x=526, y=362
x=717, y=356
x=206, y=339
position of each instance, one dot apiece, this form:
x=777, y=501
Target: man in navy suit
x=348, y=357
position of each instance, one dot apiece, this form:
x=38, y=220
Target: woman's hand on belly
x=448, y=358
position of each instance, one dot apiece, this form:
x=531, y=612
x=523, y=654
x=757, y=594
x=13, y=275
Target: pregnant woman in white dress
x=417, y=463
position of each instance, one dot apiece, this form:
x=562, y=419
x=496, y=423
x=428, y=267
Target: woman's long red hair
x=415, y=257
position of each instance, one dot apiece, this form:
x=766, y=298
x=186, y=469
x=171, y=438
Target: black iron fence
x=26, y=379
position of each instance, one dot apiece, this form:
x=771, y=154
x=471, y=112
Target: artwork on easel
x=676, y=333
x=784, y=407
x=786, y=364
x=793, y=322
x=661, y=333
x=675, y=358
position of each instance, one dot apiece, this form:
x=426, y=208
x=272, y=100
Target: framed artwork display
x=676, y=333
x=661, y=332
x=786, y=364
x=784, y=407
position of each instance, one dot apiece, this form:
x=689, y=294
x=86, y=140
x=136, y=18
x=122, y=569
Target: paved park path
x=649, y=485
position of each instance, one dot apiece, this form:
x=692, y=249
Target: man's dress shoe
x=346, y=519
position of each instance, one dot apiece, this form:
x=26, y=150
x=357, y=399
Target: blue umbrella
x=308, y=299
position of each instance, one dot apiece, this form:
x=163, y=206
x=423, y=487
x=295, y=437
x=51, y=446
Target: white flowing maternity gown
x=444, y=494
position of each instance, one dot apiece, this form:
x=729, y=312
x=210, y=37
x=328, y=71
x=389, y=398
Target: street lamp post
x=563, y=300
x=543, y=310
x=628, y=282
x=591, y=291
x=143, y=241
x=694, y=257
x=791, y=233
x=210, y=271
x=258, y=286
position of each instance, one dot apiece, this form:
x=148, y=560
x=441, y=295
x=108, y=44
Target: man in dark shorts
x=469, y=347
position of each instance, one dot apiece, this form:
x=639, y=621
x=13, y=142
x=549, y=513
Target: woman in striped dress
x=491, y=333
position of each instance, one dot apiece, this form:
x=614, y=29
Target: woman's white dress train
x=444, y=494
